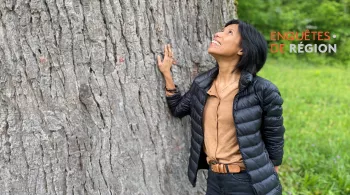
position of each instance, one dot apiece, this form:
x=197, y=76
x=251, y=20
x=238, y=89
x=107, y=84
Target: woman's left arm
x=273, y=128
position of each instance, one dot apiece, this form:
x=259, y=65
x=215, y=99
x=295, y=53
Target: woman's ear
x=240, y=52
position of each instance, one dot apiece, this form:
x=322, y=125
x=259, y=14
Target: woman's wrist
x=169, y=83
x=166, y=74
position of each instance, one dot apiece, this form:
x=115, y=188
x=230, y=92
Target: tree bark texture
x=82, y=102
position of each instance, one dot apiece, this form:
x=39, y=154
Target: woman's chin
x=212, y=51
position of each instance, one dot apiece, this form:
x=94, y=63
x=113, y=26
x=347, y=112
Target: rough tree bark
x=82, y=103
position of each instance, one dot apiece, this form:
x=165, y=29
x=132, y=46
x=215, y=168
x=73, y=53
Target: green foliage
x=316, y=117
x=298, y=16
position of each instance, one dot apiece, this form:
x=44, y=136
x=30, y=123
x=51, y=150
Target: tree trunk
x=82, y=102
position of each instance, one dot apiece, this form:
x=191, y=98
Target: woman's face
x=226, y=43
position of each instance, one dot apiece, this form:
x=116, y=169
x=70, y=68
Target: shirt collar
x=205, y=80
x=212, y=90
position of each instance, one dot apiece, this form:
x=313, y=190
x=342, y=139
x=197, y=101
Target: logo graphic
x=301, y=47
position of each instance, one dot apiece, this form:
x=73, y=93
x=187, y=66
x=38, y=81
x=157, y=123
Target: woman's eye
x=230, y=31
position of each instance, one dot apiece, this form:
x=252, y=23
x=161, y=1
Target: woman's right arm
x=169, y=83
x=179, y=105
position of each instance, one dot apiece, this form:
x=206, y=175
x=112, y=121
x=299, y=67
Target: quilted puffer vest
x=257, y=111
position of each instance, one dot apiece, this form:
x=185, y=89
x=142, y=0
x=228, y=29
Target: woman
x=236, y=116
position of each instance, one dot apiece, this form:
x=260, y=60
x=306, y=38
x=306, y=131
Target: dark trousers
x=229, y=183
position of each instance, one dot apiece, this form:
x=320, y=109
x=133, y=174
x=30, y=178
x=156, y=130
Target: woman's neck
x=225, y=75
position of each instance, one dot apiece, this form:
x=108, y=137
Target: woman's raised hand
x=165, y=65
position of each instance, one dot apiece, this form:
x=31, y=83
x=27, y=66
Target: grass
x=317, y=121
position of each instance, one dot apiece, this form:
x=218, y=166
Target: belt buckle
x=213, y=164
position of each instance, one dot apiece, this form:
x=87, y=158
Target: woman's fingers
x=168, y=59
x=166, y=52
x=170, y=51
x=159, y=60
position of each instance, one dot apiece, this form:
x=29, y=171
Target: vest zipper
x=234, y=118
x=239, y=144
x=202, y=112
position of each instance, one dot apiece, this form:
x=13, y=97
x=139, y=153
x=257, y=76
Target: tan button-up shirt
x=220, y=140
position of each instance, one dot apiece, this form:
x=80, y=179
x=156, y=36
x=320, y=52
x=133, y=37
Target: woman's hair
x=254, y=47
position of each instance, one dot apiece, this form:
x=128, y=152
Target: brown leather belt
x=217, y=167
